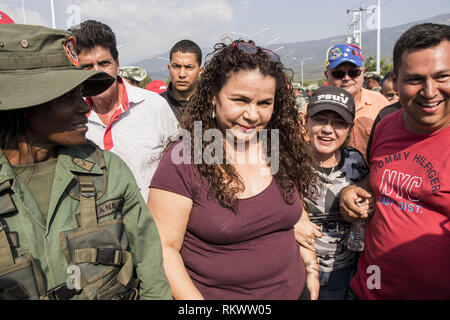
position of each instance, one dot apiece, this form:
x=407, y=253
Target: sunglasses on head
x=339, y=74
x=250, y=48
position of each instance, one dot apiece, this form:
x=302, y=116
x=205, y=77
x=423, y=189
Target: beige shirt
x=366, y=111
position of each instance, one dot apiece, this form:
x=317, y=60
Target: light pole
x=53, y=14
x=240, y=34
x=24, y=16
x=378, y=37
x=260, y=31
x=301, y=62
x=273, y=40
x=278, y=49
x=250, y=37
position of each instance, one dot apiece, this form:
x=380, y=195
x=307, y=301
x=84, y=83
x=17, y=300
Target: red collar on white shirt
x=125, y=105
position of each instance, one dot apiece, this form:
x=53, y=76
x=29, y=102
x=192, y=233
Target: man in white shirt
x=132, y=122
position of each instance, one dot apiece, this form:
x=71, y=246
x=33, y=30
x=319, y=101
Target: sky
x=148, y=28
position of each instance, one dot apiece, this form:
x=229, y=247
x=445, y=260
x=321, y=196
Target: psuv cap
x=334, y=99
x=39, y=64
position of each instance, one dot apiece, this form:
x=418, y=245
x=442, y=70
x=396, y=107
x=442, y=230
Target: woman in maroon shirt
x=225, y=207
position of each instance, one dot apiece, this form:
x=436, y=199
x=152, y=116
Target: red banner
x=4, y=18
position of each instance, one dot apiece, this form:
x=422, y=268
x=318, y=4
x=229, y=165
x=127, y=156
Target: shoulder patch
x=86, y=165
x=69, y=47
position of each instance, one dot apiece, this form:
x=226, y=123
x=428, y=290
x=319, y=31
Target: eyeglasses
x=339, y=74
x=249, y=48
x=321, y=120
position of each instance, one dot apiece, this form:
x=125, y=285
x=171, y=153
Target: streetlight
x=278, y=49
x=240, y=34
x=286, y=56
x=53, y=14
x=250, y=37
x=378, y=36
x=301, y=61
x=260, y=31
x=273, y=40
x=24, y=16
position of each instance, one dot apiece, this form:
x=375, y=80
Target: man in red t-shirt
x=407, y=252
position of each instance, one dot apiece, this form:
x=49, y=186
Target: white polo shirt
x=137, y=132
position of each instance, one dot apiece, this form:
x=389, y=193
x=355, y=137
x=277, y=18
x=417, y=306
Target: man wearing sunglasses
x=345, y=69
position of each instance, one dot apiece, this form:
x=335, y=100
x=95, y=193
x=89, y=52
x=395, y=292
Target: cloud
x=16, y=13
x=246, y=4
x=148, y=27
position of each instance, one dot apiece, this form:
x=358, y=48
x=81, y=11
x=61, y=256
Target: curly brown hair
x=295, y=162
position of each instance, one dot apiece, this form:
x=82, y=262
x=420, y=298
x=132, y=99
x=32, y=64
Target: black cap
x=334, y=99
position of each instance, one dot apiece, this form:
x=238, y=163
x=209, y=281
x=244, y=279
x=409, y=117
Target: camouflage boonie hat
x=39, y=64
x=297, y=85
x=312, y=87
x=372, y=75
x=134, y=73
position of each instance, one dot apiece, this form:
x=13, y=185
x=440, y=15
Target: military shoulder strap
x=6, y=207
x=89, y=187
x=6, y=256
x=99, y=181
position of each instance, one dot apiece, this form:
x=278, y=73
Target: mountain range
x=312, y=52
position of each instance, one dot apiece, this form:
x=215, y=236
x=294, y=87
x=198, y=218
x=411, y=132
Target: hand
x=367, y=206
x=306, y=232
x=356, y=203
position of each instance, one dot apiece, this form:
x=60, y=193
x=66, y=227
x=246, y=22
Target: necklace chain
x=328, y=183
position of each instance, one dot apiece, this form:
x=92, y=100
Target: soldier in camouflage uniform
x=372, y=81
x=73, y=224
x=300, y=99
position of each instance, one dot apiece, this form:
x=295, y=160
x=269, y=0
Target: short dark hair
x=187, y=46
x=421, y=36
x=387, y=77
x=93, y=33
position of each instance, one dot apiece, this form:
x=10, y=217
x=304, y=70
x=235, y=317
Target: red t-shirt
x=249, y=255
x=407, y=250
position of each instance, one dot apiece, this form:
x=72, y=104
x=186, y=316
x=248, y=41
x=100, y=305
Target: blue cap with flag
x=344, y=53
